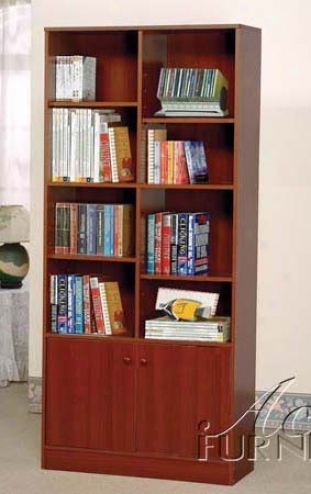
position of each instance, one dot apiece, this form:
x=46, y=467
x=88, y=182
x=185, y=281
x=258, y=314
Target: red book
x=166, y=243
x=97, y=305
x=181, y=175
x=104, y=161
x=73, y=247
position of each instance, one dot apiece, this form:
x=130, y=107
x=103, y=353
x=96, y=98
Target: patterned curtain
x=15, y=41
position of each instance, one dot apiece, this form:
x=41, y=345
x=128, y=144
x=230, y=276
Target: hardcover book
x=120, y=154
x=196, y=161
x=112, y=308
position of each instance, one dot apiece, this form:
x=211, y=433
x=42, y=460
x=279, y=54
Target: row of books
x=93, y=229
x=190, y=84
x=82, y=304
x=75, y=77
x=191, y=91
x=177, y=243
x=174, y=161
x=89, y=145
x=212, y=329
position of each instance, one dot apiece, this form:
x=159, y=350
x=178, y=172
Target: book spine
x=104, y=304
x=73, y=249
x=86, y=304
x=117, y=229
x=180, y=165
x=166, y=242
x=100, y=233
x=108, y=235
x=170, y=161
x=91, y=228
x=70, y=303
x=150, y=248
x=163, y=162
x=105, y=161
x=113, y=156
x=78, y=291
x=62, y=228
x=174, y=244
x=182, y=247
x=201, y=243
x=191, y=243
x=97, y=305
x=82, y=229
x=123, y=153
x=113, y=304
x=53, y=302
x=158, y=243
x=62, y=318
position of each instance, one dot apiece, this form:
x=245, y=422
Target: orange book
x=120, y=154
x=123, y=230
x=112, y=308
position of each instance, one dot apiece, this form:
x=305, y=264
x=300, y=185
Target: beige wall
x=284, y=336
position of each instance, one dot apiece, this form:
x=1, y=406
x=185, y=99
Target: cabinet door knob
x=127, y=360
x=143, y=361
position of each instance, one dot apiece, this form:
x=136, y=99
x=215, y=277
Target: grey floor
x=20, y=471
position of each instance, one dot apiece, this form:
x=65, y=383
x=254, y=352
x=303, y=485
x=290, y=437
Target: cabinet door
x=89, y=394
x=180, y=390
x=166, y=412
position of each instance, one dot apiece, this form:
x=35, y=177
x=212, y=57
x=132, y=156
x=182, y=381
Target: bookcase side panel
x=246, y=229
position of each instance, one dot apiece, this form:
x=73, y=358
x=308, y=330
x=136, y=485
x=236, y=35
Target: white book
x=73, y=163
x=106, y=317
x=113, y=156
x=167, y=295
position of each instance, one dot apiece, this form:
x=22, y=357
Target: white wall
x=284, y=337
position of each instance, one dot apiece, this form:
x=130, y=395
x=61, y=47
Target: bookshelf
x=123, y=404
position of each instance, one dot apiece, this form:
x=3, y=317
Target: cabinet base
x=212, y=471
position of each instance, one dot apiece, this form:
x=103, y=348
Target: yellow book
x=120, y=154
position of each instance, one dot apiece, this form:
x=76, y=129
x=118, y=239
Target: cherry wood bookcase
x=125, y=404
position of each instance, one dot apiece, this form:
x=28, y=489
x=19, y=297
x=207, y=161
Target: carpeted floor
x=20, y=471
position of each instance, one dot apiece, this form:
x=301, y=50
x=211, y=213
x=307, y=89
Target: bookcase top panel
x=188, y=27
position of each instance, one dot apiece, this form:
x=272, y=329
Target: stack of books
x=75, y=78
x=192, y=92
x=212, y=329
x=189, y=315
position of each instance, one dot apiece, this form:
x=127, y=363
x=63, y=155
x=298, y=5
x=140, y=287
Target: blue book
x=174, y=244
x=196, y=161
x=109, y=229
x=78, y=300
x=198, y=240
x=150, y=265
x=91, y=229
x=201, y=257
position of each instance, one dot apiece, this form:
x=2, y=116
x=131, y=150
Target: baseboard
x=271, y=416
x=291, y=410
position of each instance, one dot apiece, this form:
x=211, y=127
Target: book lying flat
x=212, y=329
